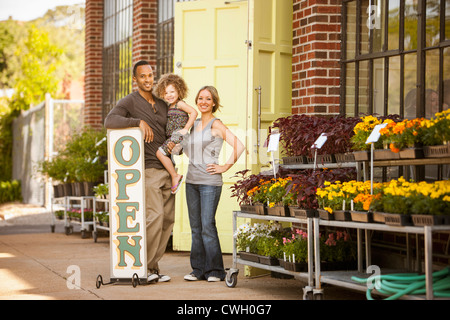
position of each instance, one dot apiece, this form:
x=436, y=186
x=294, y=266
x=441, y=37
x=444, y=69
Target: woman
x=204, y=185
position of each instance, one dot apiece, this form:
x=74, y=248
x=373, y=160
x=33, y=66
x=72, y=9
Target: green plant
x=295, y=247
x=101, y=190
x=10, y=191
x=337, y=247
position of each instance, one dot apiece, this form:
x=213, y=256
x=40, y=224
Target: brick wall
x=93, y=64
x=145, y=15
x=316, y=55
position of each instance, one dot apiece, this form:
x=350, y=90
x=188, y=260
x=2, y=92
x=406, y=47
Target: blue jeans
x=206, y=254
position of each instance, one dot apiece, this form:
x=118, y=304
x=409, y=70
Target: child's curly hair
x=175, y=80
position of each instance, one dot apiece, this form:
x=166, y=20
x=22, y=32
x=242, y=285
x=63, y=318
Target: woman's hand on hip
x=215, y=168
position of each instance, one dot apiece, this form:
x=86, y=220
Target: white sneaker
x=153, y=277
x=213, y=279
x=163, y=278
x=190, y=277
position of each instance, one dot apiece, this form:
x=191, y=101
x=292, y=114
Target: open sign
x=127, y=222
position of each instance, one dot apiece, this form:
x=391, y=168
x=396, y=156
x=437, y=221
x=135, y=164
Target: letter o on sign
x=118, y=148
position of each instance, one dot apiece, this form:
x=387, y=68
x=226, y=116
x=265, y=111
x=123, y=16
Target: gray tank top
x=202, y=148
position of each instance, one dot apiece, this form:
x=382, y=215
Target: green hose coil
x=400, y=284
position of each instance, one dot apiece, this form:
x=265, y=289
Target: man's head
x=143, y=75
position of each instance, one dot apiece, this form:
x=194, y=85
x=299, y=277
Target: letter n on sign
x=127, y=224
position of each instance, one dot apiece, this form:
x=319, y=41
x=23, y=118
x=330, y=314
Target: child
x=180, y=118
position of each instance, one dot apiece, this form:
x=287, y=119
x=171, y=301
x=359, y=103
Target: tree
x=38, y=66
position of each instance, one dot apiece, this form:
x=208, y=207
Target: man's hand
x=147, y=131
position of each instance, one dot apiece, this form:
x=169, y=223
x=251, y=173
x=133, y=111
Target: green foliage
x=83, y=159
x=10, y=191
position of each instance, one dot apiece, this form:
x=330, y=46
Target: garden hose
x=399, y=284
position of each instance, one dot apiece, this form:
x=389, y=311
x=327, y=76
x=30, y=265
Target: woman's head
x=208, y=94
x=176, y=81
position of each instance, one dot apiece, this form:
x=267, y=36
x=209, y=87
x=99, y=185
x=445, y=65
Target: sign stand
x=274, y=141
x=317, y=145
x=373, y=137
x=127, y=218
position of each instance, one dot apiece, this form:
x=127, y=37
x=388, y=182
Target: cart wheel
x=308, y=293
x=318, y=294
x=94, y=235
x=99, y=281
x=83, y=234
x=135, y=280
x=52, y=228
x=68, y=230
x=231, y=280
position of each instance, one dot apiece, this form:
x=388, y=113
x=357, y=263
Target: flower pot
x=361, y=216
x=88, y=188
x=441, y=151
x=325, y=215
x=249, y=256
x=270, y=261
x=361, y=155
x=303, y=213
x=249, y=209
x=411, y=153
x=261, y=209
x=68, y=191
x=345, y=157
x=429, y=220
x=392, y=219
x=322, y=158
x=296, y=266
x=294, y=160
x=341, y=215
x=282, y=211
x=385, y=154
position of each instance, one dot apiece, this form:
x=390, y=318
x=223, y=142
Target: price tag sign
x=274, y=141
x=375, y=135
x=320, y=141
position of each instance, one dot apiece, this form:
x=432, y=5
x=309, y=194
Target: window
x=165, y=37
x=117, y=51
x=394, y=60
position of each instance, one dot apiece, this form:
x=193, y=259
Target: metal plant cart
x=343, y=278
x=66, y=203
x=231, y=277
x=97, y=224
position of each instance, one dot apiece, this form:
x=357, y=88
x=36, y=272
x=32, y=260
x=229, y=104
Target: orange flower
x=393, y=148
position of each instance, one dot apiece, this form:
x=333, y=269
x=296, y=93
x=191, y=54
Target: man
x=144, y=110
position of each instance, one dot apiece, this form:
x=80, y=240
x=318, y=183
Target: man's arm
x=118, y=118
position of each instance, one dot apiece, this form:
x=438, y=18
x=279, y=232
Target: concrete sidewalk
x=37, y=264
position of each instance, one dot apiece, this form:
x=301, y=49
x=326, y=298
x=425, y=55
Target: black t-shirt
x=133, y=108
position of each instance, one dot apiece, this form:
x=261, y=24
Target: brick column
x=93, y=63
x=145, y=20
x=316, y=55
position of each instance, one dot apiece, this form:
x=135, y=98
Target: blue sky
x=25, y=10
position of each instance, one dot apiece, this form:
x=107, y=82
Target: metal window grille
x=165, y=36
x=394, y=52
x=117, y=51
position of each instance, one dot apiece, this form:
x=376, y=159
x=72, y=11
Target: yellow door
x=235, y=46
x=210, y=49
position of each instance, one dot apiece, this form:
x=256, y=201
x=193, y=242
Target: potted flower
x=436, y=135
x=362, y=131
x=248, y=191
x=295, y=251
x=402, y=137
x=277, y=197
x=337, y=251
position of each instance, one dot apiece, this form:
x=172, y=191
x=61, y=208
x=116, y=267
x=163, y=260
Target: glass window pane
x=394, y=24
x=350, y=90
x=410, y=38
x=446, y=88
x=447, y=19
x=351, y=30
x=431, y=82
x=410, y=71
x=364, y=26
x=363, y=92
x=394, y=86
x=377, y=12
x=432, y=23
x=378, y=86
